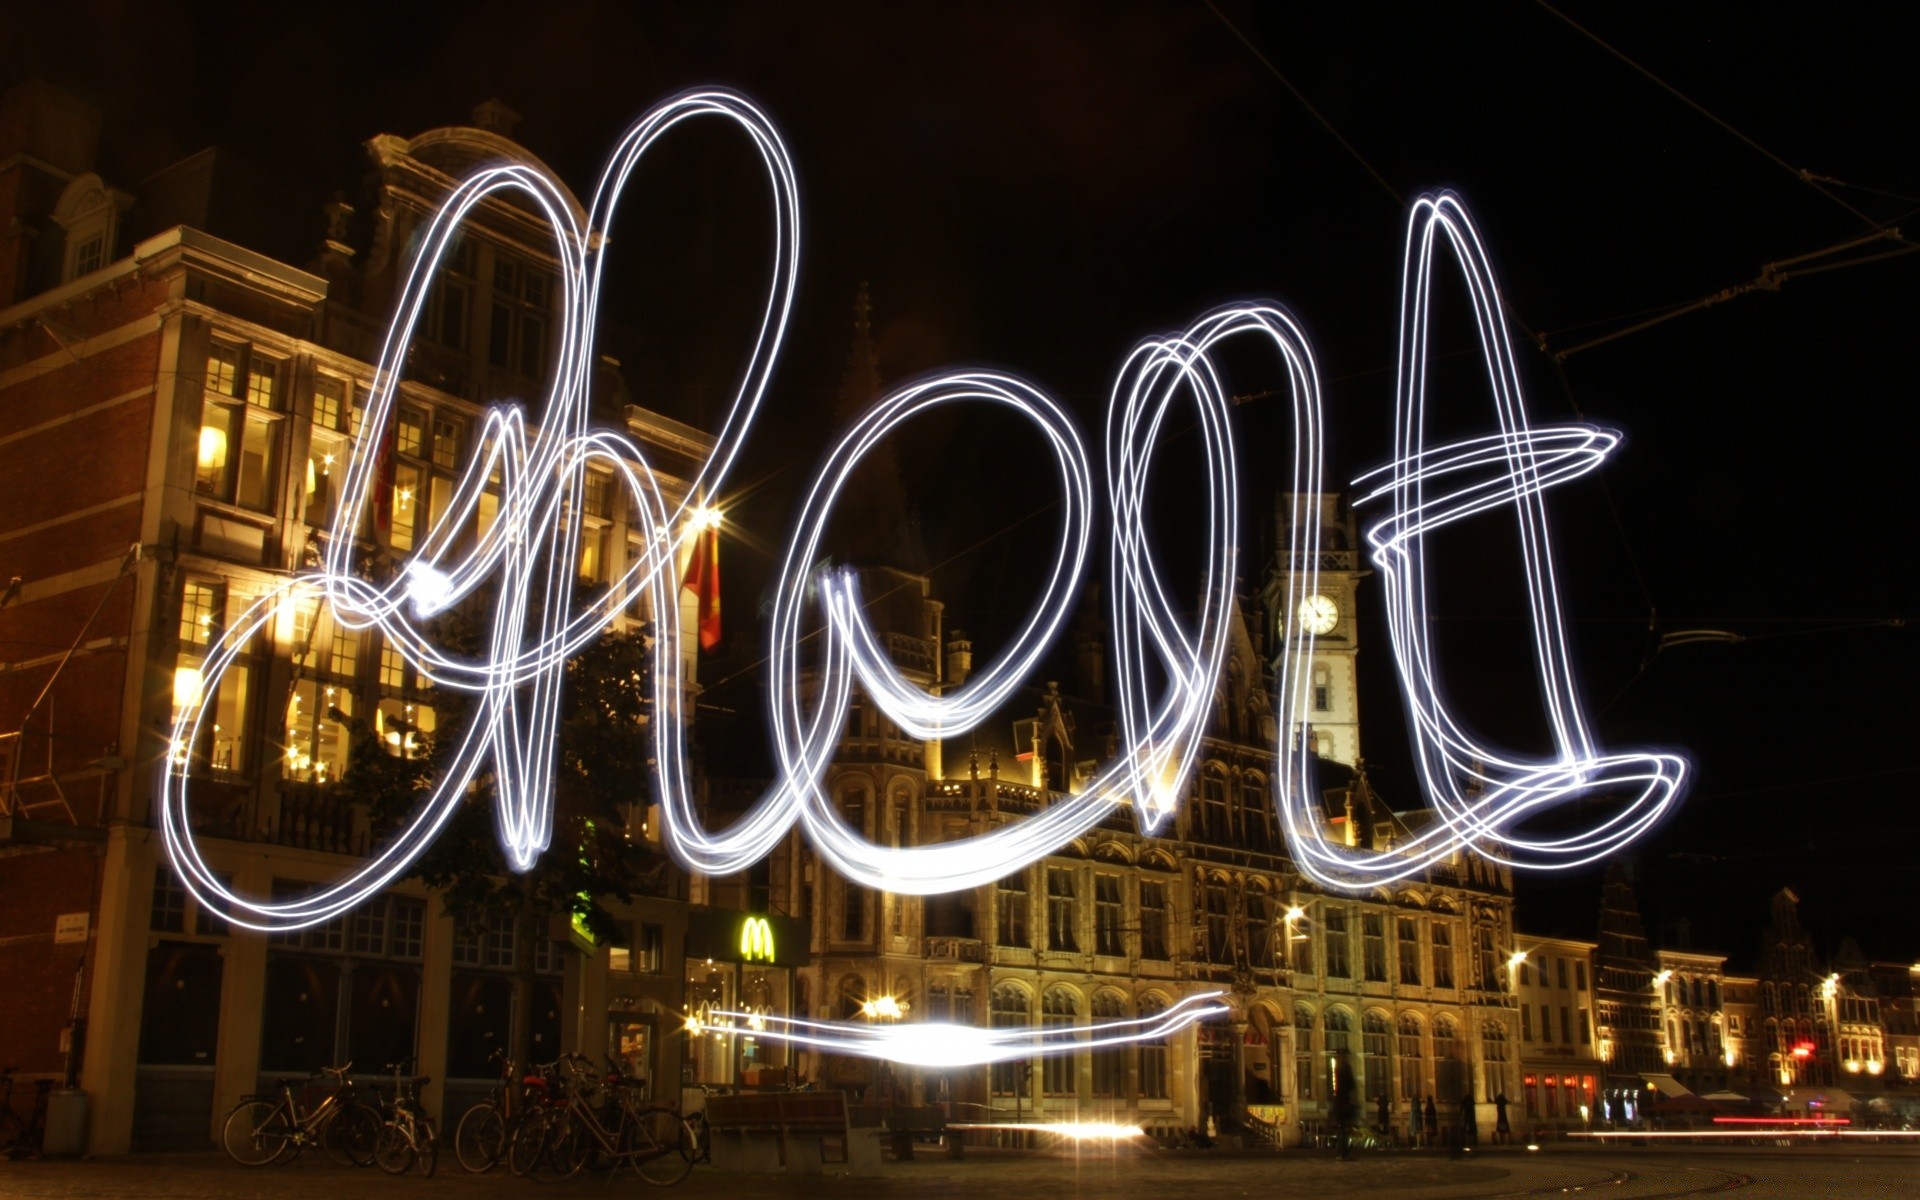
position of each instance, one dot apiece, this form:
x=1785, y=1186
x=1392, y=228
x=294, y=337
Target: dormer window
x=89, y=213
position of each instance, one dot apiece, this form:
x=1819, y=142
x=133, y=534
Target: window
x=497, y=941
x=1256, y=814
x=169, y=902
x=1300, y=944
x=1011, y=895
x=1322, y=689
x=1413, y=1073
x=1495, y=1036
x=1153, y=920
x=1442, y=956
x=1449, y=1069
x=1339, y=948
x=1260, y=930
x=317, y=737
x=1061, y=910
x=1109, y=1062
x=90, y=255
x=1304, y=1074
x=1339, y=1041
x=1152, y=1052
x=1107, y=916
x=234, y=460
x=1009, y=1010
x=1580, y=975
x=1373, y=936
x=1213, y=822
x=451, y=300
x=1409, y=951
x=1560, y=971
x=1526, y=1022
x=1492, y=977
x=517, y=331
x=853, y=911
x=1373, y=1048
x=221, y=738
x=1219, y=946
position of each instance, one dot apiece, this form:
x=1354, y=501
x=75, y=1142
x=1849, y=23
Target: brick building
x=176, y=408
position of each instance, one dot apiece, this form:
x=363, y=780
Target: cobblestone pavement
x=1627, y=1174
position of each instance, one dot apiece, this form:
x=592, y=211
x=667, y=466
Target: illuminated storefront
x=739, y=962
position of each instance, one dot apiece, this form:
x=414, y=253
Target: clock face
x=1319, y=615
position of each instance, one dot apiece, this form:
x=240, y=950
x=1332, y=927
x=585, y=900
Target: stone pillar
x=119, y=987
x=436, y=1000
x=1236, y=1117
x=243, y=989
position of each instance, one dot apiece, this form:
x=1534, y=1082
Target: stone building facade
x=1399, y=994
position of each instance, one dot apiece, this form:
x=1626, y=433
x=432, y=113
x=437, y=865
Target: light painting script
x=1482, y=796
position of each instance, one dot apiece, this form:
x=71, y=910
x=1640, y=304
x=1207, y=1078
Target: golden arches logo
x=756, y=940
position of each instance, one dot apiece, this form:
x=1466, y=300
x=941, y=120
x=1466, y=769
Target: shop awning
x=1668, y=1086
x=1821, y=1099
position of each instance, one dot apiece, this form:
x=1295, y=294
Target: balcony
x=953, y=949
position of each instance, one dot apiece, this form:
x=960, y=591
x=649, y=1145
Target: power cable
x=1307, y=104
x=1804, y=176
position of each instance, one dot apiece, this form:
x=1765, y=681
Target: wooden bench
x=802, y=1132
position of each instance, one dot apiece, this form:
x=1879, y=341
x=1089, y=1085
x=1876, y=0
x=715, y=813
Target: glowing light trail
x=1166, y=663
x=1482, y=795
x=937, y=1045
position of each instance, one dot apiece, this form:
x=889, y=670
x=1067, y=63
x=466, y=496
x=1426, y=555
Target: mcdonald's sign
x=756, y=941
x=763, y=939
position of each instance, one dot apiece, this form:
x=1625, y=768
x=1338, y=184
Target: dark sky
x=1036, y=190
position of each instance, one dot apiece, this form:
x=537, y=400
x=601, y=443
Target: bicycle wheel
x=257, y=1132
x=662, y=1146
x=564, y=1149
x=350, y=1134
x=427, y=1144
x=528, y=1140
x=393, y=1150
x=480, y=1140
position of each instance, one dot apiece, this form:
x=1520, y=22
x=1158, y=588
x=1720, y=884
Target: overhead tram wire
x=1804, y=176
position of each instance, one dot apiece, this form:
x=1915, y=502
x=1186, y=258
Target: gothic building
x=1400, y=993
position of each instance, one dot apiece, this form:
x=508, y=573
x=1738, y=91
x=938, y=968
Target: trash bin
x=66, y=1123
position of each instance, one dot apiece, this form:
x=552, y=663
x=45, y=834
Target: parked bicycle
x=17, y=1136
x=265, y=1129
x=604, y=1120
x=480, y=1140
x=407, y=1137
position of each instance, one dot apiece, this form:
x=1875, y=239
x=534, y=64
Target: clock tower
x=1333, y=709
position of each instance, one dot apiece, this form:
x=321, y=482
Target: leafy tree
x=601, y=775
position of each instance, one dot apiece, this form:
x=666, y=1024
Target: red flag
x=703, y=580
x=383, y=470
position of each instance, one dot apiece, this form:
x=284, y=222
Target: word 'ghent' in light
x=1166, y=664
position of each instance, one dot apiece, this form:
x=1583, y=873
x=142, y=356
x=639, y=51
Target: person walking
x=1469, y=1124
x=1502, y=1131
x=1433, y=1121
x=1414, y=1131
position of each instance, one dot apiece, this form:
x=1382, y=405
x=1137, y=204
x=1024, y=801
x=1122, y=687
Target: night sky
x=1036, y=191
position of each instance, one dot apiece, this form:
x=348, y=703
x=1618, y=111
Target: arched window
x=1256, y=814
x=1059, y=1010
x=1449, y=1067
x=1219, y=947
x=1011, y=1010
x=853, y=993
x=1212, y=810
x=1339, y=1032
x=1413, y=1060
x=1152, y=1052
x=1109, y=1062
x=1373, y=1045
x=1304, y=1073
x=1494, y=1034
